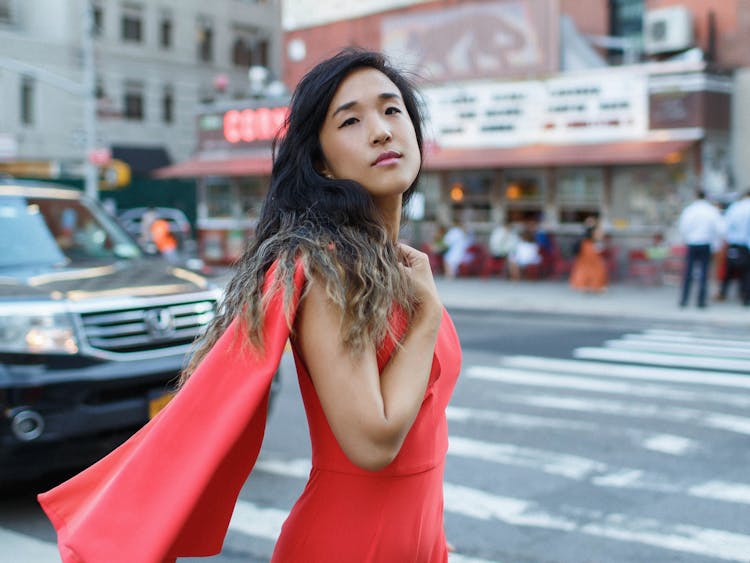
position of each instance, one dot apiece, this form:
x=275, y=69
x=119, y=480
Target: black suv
x=93, y=332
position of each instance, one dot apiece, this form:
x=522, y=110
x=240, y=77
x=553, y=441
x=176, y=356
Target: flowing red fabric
x=169, y=491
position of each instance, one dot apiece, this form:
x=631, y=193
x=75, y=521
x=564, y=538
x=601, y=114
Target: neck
x=390, y=210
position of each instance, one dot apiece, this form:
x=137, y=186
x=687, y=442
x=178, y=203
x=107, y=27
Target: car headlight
x=36, y=330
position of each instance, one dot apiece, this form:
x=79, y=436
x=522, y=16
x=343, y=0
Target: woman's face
x=368, y=136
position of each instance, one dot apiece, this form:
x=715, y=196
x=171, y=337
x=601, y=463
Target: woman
x=589, y=270
x=377, y=356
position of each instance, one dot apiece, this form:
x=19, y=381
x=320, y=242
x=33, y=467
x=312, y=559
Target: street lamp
x=257, y=75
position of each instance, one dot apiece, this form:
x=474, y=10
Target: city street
x=572, y=439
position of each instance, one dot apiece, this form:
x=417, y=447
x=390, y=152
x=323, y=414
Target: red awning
x=255, y=165
x=627, y=152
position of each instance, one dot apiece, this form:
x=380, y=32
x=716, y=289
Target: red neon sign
x=249, y=125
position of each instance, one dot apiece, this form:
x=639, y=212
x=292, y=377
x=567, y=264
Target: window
x=524, y=194
x=469, y=195
x=219, y=199
x=165, y=32
x=99, y=88
x=132, y=24
x=205, y=40
x=580, y=193
x=27, y=100
x=250, y=193
x=134, y=101
x=167, y=105
x=6, y=11
x=260, y=53
x=98, y=14
x=625, y=20
x=241, y=53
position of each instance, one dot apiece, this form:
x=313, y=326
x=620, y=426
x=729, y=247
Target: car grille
x=139, y=329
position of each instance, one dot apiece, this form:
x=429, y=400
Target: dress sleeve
x=169, y=491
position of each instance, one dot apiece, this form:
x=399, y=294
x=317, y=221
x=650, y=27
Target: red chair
x=674, y=264
x=436, y=260
x=642, y=269
x=473, y=265
x=493, y=265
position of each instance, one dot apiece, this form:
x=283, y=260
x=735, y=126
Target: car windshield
x=41, y=230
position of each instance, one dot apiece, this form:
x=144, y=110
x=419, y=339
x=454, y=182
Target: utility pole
x=91, y=172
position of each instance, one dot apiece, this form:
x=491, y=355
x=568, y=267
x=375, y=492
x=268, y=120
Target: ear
x=324, y=171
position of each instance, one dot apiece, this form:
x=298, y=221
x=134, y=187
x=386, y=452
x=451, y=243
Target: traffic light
x=114, y=175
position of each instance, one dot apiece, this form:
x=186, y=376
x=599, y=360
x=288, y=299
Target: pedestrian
x=589, y=270
x=525, y=254
x=376, y=354
x=457, y=242
x=503, y=240
x=700, y=226
x=148, y=218
x=737, y=236
x=165, y=241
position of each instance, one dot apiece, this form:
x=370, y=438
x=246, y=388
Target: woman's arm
x=369, y=413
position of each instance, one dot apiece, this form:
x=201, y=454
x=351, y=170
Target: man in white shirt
x=701, y=228
x=737, y=235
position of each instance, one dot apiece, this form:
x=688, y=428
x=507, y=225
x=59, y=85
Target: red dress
x=170, y=490
x=589, y=272
x=347, y=514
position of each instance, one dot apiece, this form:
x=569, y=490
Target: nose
x=380, y=133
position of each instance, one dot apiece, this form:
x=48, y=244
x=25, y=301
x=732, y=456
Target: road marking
x=465, y=414
x=689, y=349
x=250, y=519
x=717, y=421
x=670, y=444
x=589, y=384
x=564, y=465
x=516, y=512
x=17, y=547
x=682, y=336
x=681, y=537
x=721, y=490
x=603, y=369
x=457, y=558
x=266, y=523
x=613, y=355
x=722, y=345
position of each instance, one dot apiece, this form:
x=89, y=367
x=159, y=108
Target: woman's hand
x=416, y=264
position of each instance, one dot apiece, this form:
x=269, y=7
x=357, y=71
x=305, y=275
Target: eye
x=350, y=121
x=392, y=110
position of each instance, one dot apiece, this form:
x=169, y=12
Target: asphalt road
x=571, y=440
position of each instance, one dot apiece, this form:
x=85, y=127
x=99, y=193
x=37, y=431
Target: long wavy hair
x=332, y=225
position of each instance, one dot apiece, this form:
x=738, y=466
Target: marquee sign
x=573, y=108
x=240, y=127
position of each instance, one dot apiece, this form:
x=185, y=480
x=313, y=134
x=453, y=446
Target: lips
x=388, y=157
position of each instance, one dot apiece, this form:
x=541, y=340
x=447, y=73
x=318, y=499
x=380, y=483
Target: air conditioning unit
x=667, y=30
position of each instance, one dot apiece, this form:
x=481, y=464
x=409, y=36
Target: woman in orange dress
x=377, y=358
x=589, y=271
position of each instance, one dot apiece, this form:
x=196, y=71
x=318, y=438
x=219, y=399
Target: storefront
x=232, y=166
x=629, y=145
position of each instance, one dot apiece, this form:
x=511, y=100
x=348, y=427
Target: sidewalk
x=625, y=300
x=621, y=300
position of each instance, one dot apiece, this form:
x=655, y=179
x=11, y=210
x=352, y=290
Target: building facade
x=559, y=109
x=155, y=62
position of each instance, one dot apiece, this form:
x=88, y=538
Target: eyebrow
x=349, y=105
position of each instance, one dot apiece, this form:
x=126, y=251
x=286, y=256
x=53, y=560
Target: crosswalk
x=634, y=416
